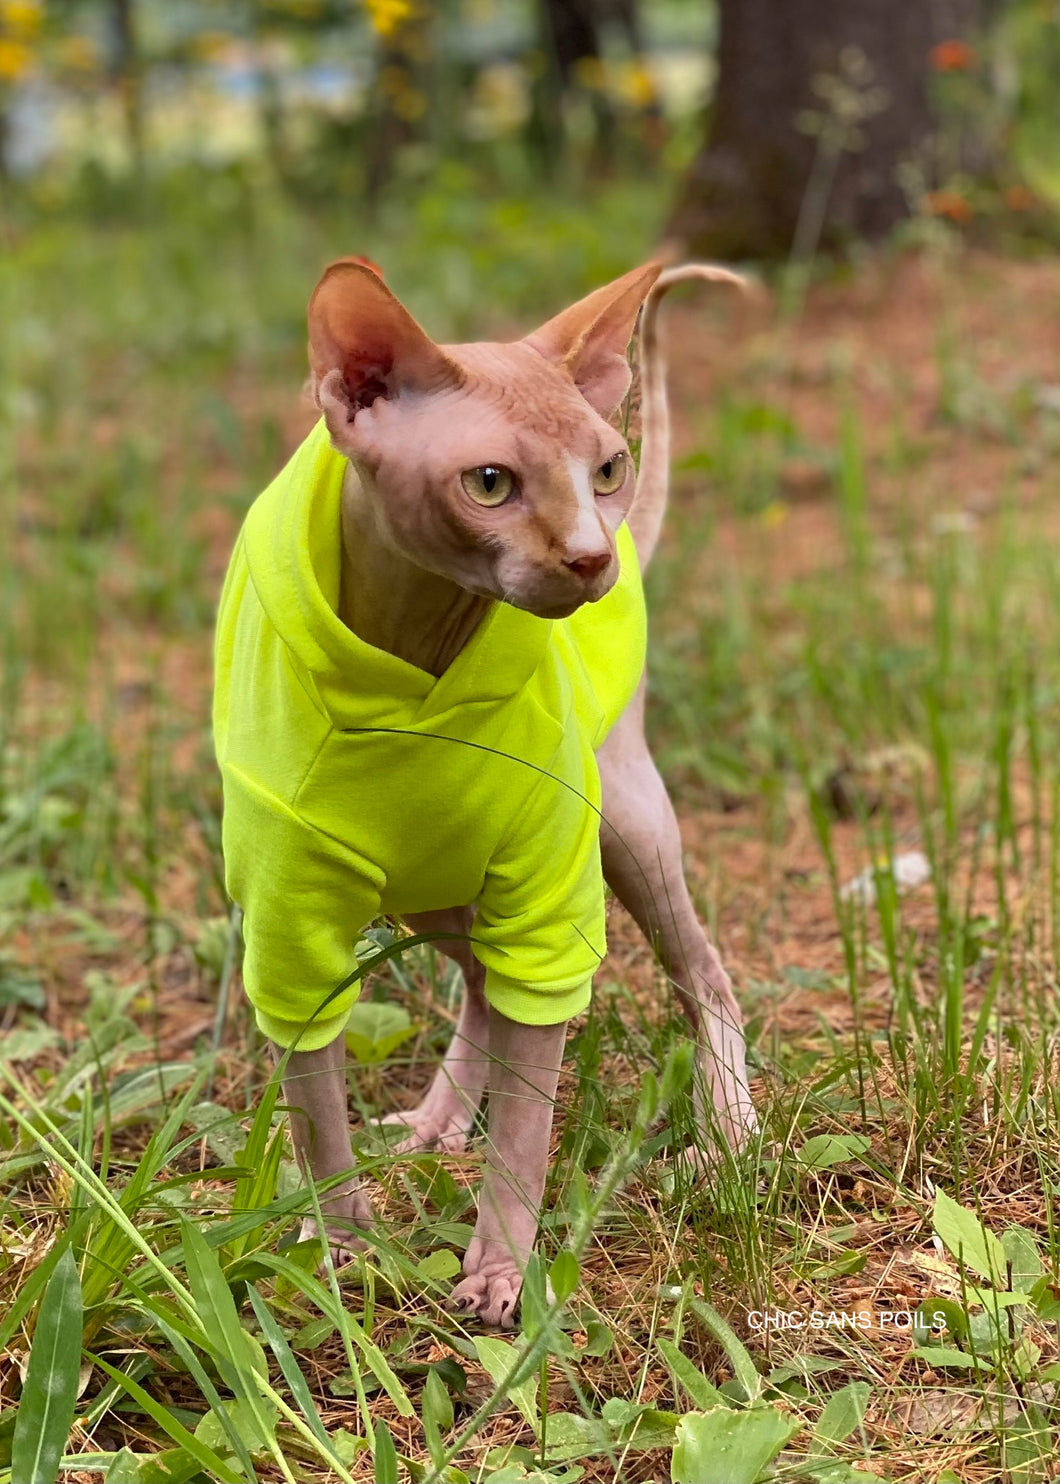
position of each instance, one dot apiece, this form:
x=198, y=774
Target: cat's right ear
x=364, y=344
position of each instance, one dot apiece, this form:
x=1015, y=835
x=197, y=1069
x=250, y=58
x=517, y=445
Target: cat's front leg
x=524, y=1071
x=314, y=1088
x=446, y=1116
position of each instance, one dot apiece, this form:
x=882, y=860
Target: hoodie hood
x=293, y=546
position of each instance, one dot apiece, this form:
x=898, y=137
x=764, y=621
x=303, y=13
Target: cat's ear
x=364, y=344
x=590, y=339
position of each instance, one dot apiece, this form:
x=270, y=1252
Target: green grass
x=893, y=688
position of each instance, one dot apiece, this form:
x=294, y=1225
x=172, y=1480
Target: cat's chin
x=554, y=610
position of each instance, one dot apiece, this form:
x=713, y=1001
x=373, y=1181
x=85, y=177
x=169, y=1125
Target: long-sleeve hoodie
x=356, y=784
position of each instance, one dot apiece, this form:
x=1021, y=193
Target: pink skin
x=422, y=564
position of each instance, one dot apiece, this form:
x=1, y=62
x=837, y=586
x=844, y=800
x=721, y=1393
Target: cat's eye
x=611, y=475
x=489, y=485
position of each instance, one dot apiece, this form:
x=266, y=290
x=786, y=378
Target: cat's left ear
x=590, y=339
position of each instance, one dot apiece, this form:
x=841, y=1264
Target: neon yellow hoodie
x=356, y=784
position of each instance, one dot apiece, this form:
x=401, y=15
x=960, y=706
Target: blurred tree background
x=758, y=127
x=855, y=648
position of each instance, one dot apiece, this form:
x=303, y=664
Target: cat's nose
x=588, y=567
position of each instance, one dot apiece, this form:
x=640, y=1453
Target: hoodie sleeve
x=540, y=926
x=305, y=899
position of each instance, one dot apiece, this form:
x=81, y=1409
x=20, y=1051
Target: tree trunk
x=129, y=75
x=762, y=166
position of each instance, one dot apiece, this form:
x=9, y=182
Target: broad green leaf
x=24, y=1045
x=965, y=1238
x=639, y=1423
x=832, y=1471
x=571, y=1436
x=499, y=1360
x=598, y=1340
x=437, y=1413
x=386, y=1463
x=564, y=1275
x=844, y=1412
x=1021, y=1250
x=993, y=1299
x=239, y=1416
x=374, y=1030
x=124, y=1468
x=704, y=1395
x=739, y=1358
x=313, y=1334
x=49, y=1393
x=171, y=1466
x=346, y=1445
x=825, y=1150
x=438, y=1266
x=941, y=1355
x=1046, y=1298
x=725, y=1447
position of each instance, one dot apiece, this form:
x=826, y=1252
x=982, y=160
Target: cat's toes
x=492, y=1294
x=343, y=1215
x=343, y=1245
x=449, y=1135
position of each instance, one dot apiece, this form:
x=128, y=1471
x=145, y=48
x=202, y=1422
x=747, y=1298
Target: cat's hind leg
x=641, y=848
x=444, y=1119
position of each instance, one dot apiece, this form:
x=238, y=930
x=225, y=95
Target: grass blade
x=217, y=1309
x=690, y=1377
x=292, y=1373
x=386, y=1462
x=50, y=1391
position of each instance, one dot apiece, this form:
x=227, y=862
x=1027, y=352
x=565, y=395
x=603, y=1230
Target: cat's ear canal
x=591, y=338
x=364, y=344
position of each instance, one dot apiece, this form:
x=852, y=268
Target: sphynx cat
x=480, y=474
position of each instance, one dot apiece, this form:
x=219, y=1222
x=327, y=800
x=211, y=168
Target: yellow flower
x=21, y=17
x=14, y=59
x=773, y=515
x=388, y=16
x=636, y=86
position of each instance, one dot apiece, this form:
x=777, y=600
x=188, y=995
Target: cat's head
x=493, y=465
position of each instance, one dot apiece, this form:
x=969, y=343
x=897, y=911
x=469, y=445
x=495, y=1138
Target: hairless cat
x=430, y=703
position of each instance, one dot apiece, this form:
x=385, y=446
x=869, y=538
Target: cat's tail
x=653, y=479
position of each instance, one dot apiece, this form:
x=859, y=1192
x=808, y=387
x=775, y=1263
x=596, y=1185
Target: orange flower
x=1018, y=198
x=952, y=56
x=949, y=204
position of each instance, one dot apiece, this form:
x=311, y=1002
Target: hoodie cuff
x=537, y=1004
x=299, y=1036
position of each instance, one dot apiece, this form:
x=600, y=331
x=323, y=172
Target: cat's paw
x=341, y=1219
x=445, y=1131
x=343, y=1246
x=491, y=1292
